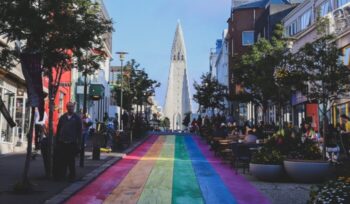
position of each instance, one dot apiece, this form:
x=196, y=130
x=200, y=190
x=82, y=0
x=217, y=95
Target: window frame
x=248, y=31
x=301, y=26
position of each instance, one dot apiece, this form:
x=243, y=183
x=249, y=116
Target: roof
x=248, y=4
x=251, y=4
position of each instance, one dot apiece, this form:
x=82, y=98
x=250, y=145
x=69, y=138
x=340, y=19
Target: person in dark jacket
x=68, y=139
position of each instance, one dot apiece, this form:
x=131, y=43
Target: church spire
x=178, y=52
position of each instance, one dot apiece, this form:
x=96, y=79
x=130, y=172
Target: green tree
x=209, y=93
x=137, y=87
x=256, y=72
x=327, y=76
x=186, y=121
x=55, y=31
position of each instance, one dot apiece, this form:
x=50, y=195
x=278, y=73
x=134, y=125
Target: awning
x=96, y=91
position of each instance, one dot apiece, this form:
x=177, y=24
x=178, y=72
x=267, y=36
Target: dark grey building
x=275, y=11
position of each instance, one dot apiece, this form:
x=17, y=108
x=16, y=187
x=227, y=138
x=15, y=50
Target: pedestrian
x=125, y=119
x=39, y=126
x=115, y=121
x=68, y=139
x=87, y=123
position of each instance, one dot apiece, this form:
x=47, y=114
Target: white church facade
x=177, y=100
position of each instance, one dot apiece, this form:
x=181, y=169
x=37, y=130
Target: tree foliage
x=137, y=86
x=327, y=77
x=51, y=28
x=186, y=121
x=209, y=93
x=256, y=71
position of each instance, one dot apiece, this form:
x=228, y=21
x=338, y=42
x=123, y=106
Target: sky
x=146, y=28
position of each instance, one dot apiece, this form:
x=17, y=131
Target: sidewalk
x=11, y=168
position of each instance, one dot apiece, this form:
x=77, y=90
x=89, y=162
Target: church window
x=182, y=57
x=178, y=56
x=174, y=57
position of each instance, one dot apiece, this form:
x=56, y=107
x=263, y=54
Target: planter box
x=307, y=171
x=266, y=172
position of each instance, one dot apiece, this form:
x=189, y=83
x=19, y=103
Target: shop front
x=14, y=98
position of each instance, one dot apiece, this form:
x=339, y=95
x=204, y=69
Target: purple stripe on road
x=243, y=191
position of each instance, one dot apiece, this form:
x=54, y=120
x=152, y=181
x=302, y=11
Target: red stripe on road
x=98, y=190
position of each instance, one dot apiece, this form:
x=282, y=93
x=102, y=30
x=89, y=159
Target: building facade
x=300, y=24
x=98, y=83
x=219, y=65
x=240, y=38
x=14, y=96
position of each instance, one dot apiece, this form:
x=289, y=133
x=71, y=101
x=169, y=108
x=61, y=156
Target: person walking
x=68, y=139
x=87, y=123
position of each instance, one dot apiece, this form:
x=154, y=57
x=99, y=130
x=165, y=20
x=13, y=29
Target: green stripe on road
x=185, y=185
x=159, y=185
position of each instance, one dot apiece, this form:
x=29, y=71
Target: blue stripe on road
x=212, y=187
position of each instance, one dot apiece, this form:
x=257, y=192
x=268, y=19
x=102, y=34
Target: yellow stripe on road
x=160, y=183
x=130, y=189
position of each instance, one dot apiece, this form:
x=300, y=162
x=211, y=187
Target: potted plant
x=266, y=164
x=304, y=162
x=333, y=191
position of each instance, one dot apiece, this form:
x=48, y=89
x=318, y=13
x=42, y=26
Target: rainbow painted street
x=170, y=169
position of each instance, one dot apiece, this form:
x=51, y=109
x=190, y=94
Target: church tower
x=177, y=100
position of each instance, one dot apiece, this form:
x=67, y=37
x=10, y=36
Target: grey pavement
x=47, y=190
x=286, y=192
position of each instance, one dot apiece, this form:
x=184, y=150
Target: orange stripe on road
x=130, y=189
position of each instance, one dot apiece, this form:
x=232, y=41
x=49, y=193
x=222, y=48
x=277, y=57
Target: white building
x=14, y=96
x=98, y=81
x=221, y=64
x=177, y=100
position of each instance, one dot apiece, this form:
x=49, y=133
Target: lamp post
x=121, y=57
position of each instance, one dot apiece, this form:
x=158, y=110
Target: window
x=347, y=56
x=8, y=99
x=292, y=29
x=247, y=38
x=305, y=20
x=340, y=3
x=61, y=104
x=325, y=8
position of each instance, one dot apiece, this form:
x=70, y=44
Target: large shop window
x=22, y=118
x=247, y=38
x=305, y=19
x=8, y=98
x=340, y=3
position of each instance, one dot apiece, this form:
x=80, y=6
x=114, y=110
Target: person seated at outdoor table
x=345, y=134
x=222, y=131
x=309, y=131
x=332, y=149
x=250, y=138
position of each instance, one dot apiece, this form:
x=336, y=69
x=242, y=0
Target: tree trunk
x=51, y=110
x=25, y=179
x=324, y=129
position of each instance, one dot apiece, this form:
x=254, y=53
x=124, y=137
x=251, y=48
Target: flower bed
x=333, y=191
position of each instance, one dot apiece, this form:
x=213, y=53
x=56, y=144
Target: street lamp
x=121, y=57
